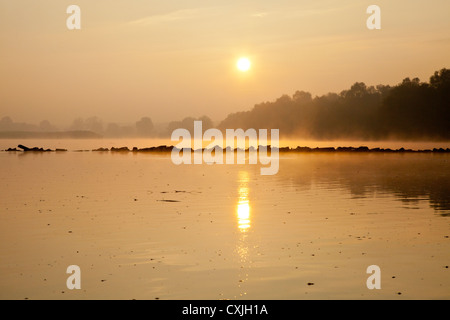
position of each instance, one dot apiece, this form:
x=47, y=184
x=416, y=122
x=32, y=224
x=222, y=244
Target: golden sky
x=172, y=59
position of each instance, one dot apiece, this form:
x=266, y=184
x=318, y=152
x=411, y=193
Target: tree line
x=410, y=110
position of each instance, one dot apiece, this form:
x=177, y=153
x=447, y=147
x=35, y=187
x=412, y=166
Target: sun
x=243, y=64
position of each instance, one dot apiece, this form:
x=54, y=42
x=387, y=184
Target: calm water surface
x=141, y=227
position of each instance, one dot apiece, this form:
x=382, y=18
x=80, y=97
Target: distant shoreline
x=164, y=148
x=49, y=135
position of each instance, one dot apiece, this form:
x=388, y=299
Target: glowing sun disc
x=243, y=64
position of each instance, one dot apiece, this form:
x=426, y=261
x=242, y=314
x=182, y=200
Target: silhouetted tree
x=45, y=125
x=93, y=124
x=441, y=79
x=188, y=124
x=113, y=130
x=6, y=123
x=144, y=127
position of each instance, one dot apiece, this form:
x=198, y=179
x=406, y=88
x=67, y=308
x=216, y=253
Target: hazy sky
x=170, y=59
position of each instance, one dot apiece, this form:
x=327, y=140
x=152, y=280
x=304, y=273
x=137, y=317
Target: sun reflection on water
x=243, y=206
x=243, y=216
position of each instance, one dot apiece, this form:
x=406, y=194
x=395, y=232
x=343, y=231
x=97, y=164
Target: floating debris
x=35, y=149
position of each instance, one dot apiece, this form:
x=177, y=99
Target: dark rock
x=123, y=149
x=303, y=149
x=163, y=148
x=345, y=149
x=330, y=149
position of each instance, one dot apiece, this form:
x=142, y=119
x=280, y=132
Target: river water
x=141, y=227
